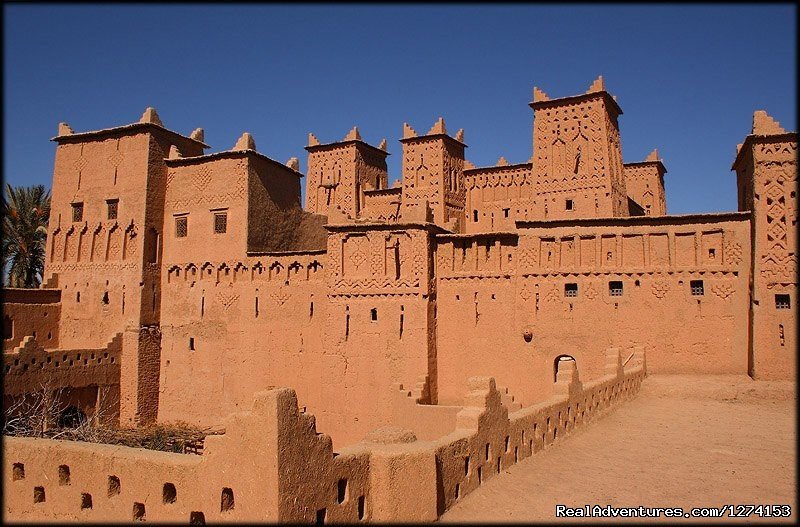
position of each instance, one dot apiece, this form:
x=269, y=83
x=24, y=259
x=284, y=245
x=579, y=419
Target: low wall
x=272, y=465
x=31, y=312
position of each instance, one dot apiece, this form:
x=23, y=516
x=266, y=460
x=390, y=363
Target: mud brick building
x=188, y=282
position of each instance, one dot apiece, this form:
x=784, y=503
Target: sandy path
x=687, y=441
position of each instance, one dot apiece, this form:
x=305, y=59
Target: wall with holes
x=88, y=379
x=489, y=438
x=286, y=471
x=31, y=312
x=289, y=472
x=676, y=285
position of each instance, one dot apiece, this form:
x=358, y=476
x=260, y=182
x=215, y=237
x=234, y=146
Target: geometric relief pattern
x=733, y=253
x=776, y=262
x=722, y=290
x=227, y=299
x=660, y=287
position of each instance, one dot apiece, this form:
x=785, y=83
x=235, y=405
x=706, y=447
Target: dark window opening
x=113, y=486
x=138, y=511
x=86, y=500
x=38, y=495
x=571, y=290
x=197, y=518
x=63, y=475
x=112, y=206
x=341, y=491
x=373, y=314
x=181, y=227
x=475, y=216
x=77, y=212
x=570, y=205
x=782, y=302
x=361, y=503
x=505, y=212
x=615, y=288
x=697, y=287
x=169, y=494
x=227, y=502
x=191, y=343
x=18, y=472
x=105, y=298
x=321, y=515
x=220, y=222
x=712, y=253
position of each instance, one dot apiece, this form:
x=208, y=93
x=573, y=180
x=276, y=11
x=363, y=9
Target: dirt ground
x=683, y=441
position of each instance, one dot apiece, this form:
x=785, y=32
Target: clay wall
x=382, y=205
x=235, y=326
x=381, y=327
x=288, y=472
x=496, y=197
x=86, y=378
x=31, y=312
x=644, y=183
x=517, y=289
x=196, y=188
x=275, y=220
x=766, y=168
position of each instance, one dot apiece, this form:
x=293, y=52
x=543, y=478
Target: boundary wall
x=273, y=465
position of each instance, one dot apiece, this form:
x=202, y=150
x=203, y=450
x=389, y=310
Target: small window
x=228, y=503
x=181, y=227
x=169, y=494
x=77, y=212
x=697, y=287
x=113, y=486
x=112, y=205
x=505, y=212
x=63, y=475
x=570, y=289
x=220, y=222
x=138, y=511
x=570, y=205
x=191, y=343
x=712, y=254
x=615, y=288
x=475, y=216
x=373, y=314
x=782, y=302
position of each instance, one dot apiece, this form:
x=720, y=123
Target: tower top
x=764, y=124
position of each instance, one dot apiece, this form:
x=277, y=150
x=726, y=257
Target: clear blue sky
x=688, y=77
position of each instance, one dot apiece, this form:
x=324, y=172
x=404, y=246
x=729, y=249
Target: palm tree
x=26, y=211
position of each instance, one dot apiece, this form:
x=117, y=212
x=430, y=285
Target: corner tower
x=766, y=170
x=577, y=158
x=433, y=171
x=644, y=182
x=339, y=173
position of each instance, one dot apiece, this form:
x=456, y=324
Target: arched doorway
x=558, y=359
